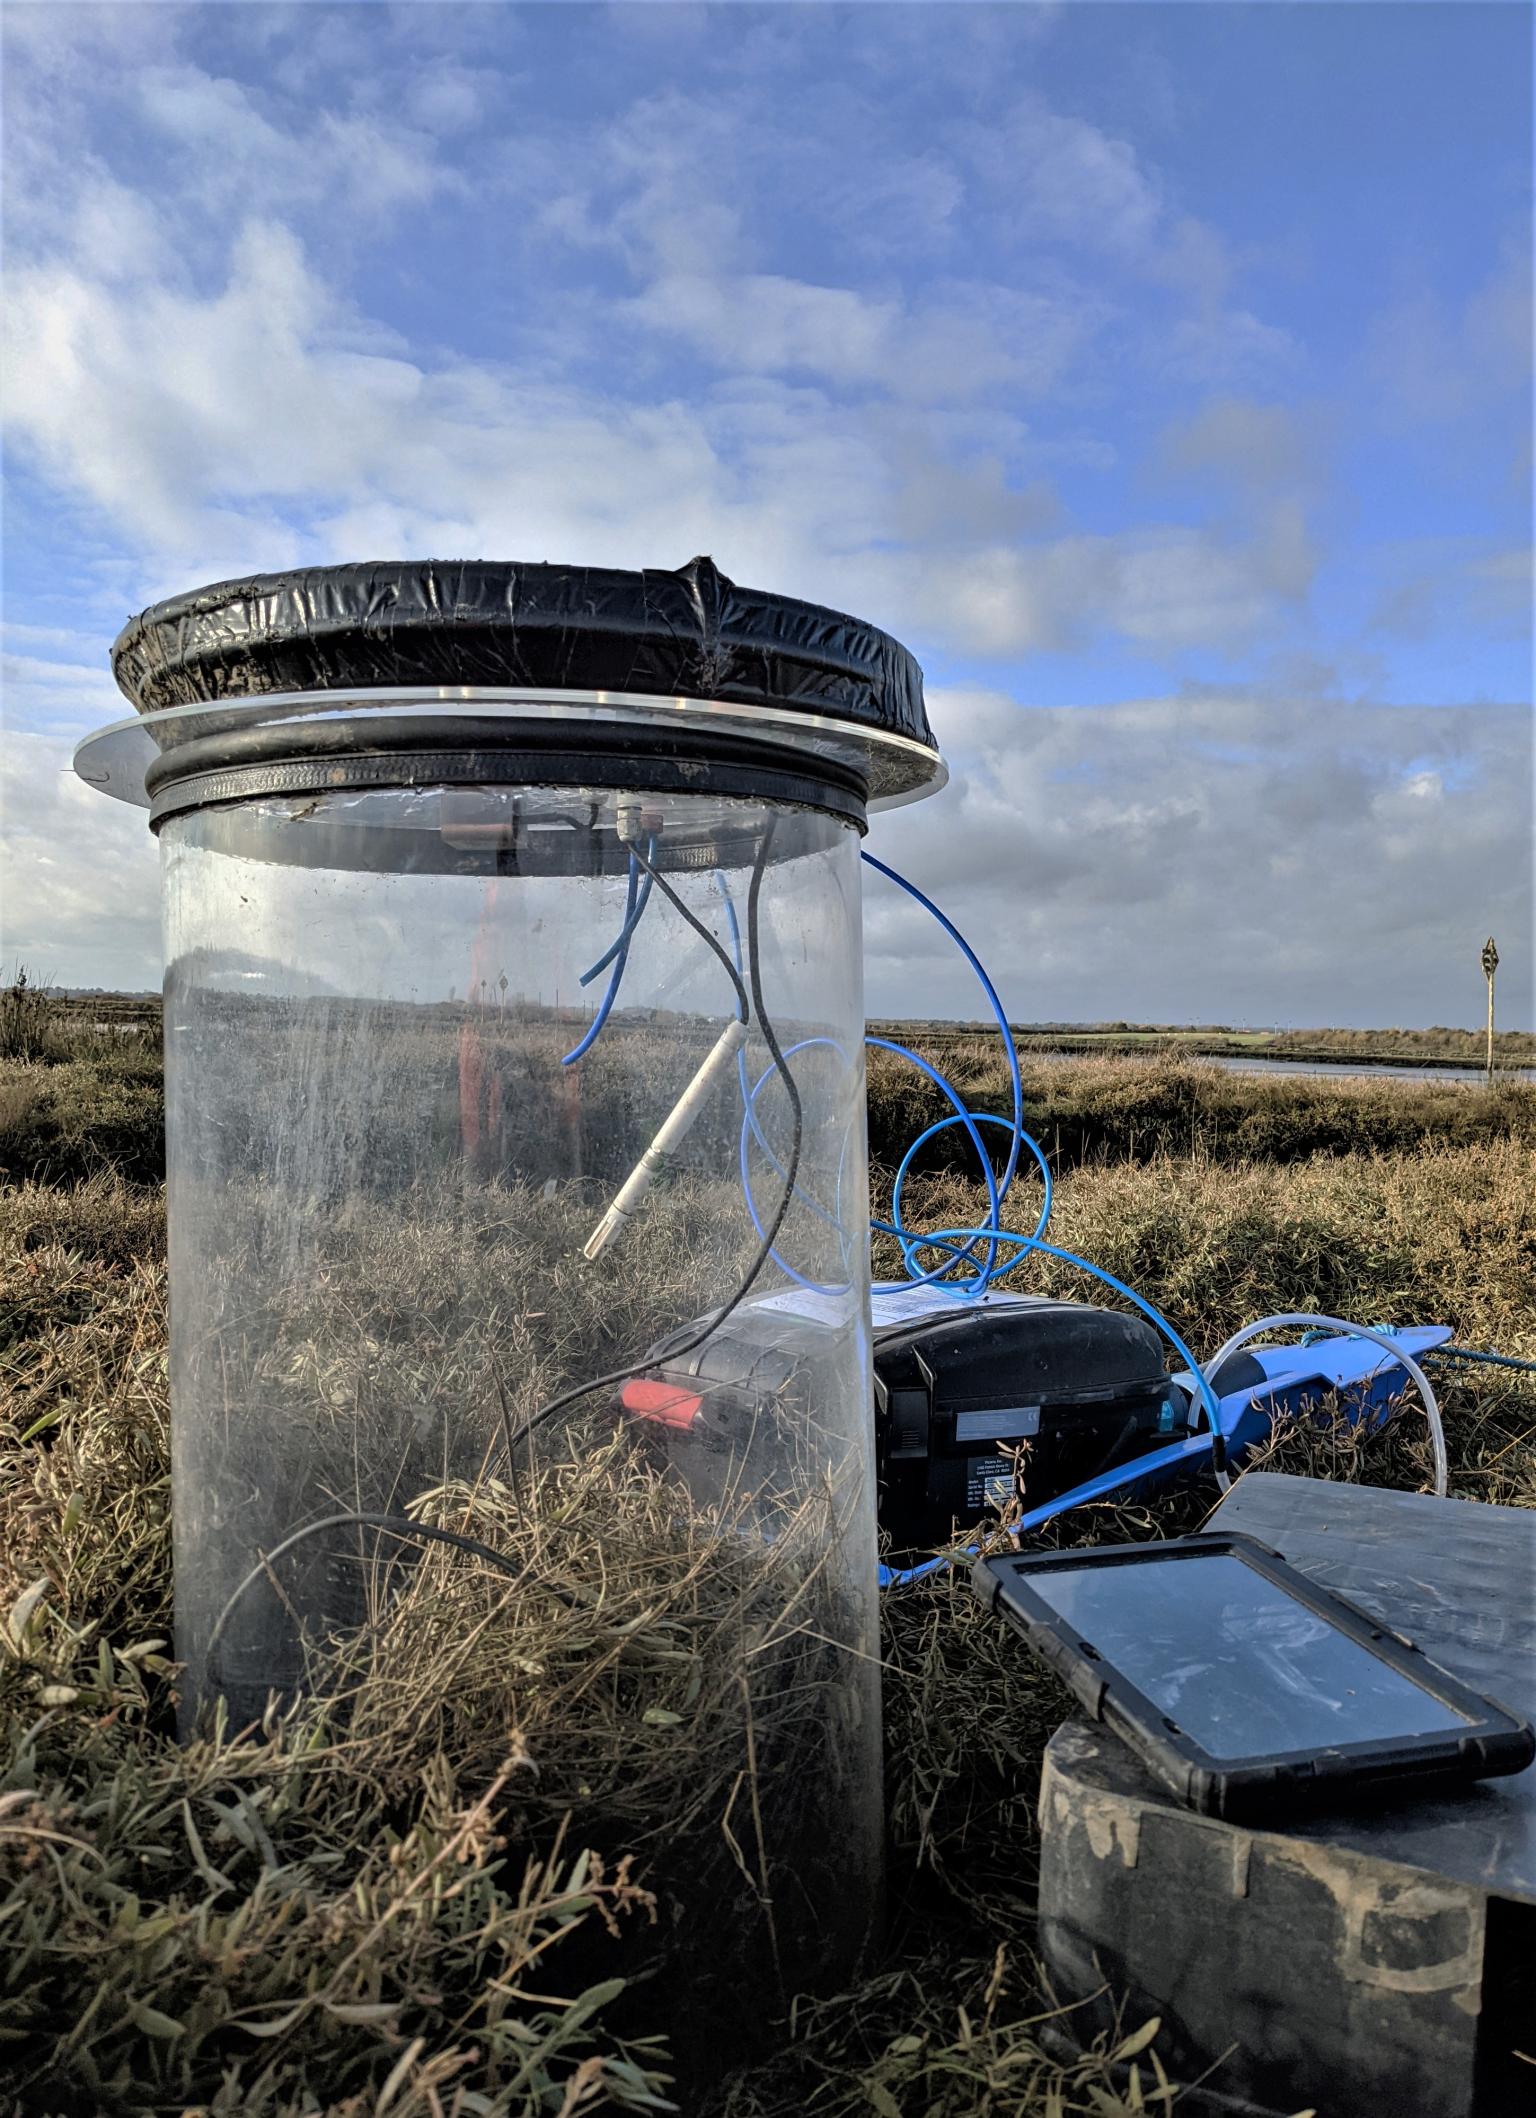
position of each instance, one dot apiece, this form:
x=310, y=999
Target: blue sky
x=1161, y=374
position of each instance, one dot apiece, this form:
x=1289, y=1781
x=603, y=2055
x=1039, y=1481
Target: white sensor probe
x=678, y=1124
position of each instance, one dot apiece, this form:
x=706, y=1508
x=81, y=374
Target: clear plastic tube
x=1293, y=1319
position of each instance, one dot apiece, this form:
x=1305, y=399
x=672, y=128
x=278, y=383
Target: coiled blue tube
x=957, y=1247
x=996, y=1188
x=980, y=1117
x=963, y=1289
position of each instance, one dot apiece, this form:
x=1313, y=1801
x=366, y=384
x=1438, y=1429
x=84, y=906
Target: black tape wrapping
x=686, y=634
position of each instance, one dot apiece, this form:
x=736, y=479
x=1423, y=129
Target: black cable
x=698, y=927
x=766, y=1247
x=397, y=1525
x=781, y=1064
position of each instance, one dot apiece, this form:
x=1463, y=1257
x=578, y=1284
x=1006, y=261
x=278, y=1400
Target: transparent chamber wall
x=382, y=1178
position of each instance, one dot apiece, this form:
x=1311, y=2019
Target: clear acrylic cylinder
x=518, y=1205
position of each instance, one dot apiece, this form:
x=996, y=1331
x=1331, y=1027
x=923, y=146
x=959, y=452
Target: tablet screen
x=1240, y=1665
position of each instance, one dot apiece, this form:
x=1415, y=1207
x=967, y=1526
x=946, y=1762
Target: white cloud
x=192, y=367
x=194, y=372
x=893, y=207
x=1221, y=345
x=1264, y=447
x=1441, y=360
x=447, y=99
x=664, y=186
x=79, y=878
x=19, y=635
x=112, y=230
x=1165, y=589
x=961, y=340
x=1073, y=182
x=1216, y=856
x=1069, y=183
x=265, y=423
x=65, y=42
x=230, y=153
x=39, y=694
x=1431, y=584
x=83, y=85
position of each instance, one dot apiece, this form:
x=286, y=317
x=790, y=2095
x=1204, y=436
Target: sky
x=1160, y=374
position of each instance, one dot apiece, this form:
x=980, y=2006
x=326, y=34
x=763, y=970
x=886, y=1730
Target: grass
x=1512, y=1049
x=1118, y=1109
x=440, y=1885
x=95, y=1102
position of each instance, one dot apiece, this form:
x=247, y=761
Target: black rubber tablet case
x=1285, y=1782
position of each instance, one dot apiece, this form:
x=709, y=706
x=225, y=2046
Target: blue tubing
x=981, y=1117
x=969, y=1289
x=752, y=1130
x=997, y=1190
x=636, y=897
x=998, y=1010
x=957, y=1247
x=634, y=909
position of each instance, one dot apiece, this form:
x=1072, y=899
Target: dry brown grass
x=643, y=1651
x=1107, y=1110
x=1447, y=1234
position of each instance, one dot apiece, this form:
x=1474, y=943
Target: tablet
x=1246, y=1689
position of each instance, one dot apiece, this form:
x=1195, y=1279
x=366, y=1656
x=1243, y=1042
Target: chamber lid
x=502, y=624
x=687, y=661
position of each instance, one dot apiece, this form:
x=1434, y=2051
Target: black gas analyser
x=978, y=1404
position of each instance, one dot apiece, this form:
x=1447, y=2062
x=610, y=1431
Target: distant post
x=1490, y=965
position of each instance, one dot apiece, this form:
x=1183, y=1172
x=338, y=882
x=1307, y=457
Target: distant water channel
x=1342, y=1069
x=1358, y=1071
